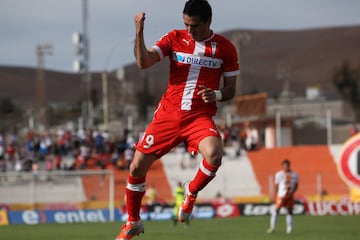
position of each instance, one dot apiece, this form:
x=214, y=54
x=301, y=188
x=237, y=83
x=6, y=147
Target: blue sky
x=24, y=24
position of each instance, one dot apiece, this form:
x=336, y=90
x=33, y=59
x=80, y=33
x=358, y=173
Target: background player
x=199, y=59
x=179, y=194
x=286, y=184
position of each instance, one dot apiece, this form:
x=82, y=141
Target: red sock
x=204, y=175
x=135, y=190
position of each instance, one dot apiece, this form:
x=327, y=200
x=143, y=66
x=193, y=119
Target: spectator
x=252, y=138
x=35, y=167
x=151, y=195
x=2, y=149
x=58, y=161
x=11, y=152
x=43, y=149
x=3, y=168
x=179, y=195
x=18, y=168
x=18, y=165
x=49, y=163
x=99, y=141
x=128, y=155
x=242, y=141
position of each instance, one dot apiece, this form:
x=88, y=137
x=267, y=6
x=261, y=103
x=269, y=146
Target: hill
x=308, y=57
x=303, y=57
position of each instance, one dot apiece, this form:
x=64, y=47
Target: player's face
x=197, y=29
x=286, y=167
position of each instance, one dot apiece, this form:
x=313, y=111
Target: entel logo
x=34, y=217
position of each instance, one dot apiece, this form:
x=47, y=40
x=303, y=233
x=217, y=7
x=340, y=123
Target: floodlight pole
x=105, y=86
x=111, y=197
x=41, y=51
x=105, y=99
x=329, y=127
x=278, y=128
x=86, y=54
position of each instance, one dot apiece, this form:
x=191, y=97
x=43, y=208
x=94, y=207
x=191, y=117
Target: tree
x=7, y=106
x=346, y=80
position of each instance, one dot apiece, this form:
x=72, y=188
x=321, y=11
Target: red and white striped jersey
x=195, y=63
x=286, y=182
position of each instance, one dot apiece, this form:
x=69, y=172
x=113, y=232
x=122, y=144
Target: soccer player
x=286, y=184
x=179, y=194
x=199, y=59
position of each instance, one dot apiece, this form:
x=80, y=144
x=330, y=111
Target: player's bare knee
x=213, y=156
x=136, y=170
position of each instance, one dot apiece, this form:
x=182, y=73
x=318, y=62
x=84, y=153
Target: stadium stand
x=98, y=189
x=309, y=162
x=242, y=176
x=235, y=177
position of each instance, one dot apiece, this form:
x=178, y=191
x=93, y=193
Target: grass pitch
x=252, y=228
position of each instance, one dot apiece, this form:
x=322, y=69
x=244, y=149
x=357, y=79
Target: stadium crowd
x=64, y=150
x=87, y=149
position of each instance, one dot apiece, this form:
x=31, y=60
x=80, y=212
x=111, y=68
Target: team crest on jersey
x=213, y=49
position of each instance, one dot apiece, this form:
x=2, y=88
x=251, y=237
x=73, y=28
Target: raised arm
x=144, y=57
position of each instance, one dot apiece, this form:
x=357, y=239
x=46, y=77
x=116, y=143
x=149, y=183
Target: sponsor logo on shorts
x=213, y=130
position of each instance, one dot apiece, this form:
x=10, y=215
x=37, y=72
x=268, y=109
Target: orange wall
x=307, y=161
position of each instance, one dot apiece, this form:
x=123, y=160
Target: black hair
x=199, y=8
x=286, y=161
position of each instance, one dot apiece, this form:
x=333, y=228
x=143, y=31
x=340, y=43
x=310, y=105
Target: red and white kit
x=192, y=64
x=286, y=183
